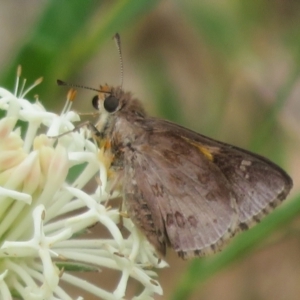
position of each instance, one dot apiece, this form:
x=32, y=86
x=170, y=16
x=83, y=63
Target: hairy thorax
x=123, y=134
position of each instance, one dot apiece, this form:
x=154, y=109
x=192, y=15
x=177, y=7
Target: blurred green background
x=227, y=69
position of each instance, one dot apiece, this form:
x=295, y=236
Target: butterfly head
x=109, y=100
x=116, y=105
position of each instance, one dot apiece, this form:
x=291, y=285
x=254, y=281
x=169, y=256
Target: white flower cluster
x=43, y=215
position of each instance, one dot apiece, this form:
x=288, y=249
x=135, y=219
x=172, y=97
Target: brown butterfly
x=180, y=188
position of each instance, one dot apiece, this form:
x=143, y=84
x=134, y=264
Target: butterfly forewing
x=258, y=184
x=194, y=193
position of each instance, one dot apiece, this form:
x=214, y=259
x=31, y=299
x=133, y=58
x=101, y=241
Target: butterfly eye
x=95, y=102
x=111, y=103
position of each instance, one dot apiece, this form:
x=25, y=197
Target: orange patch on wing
x=207, y=153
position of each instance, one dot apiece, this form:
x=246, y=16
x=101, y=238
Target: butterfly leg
x=87, y=124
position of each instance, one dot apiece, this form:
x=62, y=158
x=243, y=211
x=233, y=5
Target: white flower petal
x=41, y=213
x=15, y=195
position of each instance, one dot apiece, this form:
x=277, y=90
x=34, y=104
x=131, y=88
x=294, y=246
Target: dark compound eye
x=111, y=103
x=95, y=102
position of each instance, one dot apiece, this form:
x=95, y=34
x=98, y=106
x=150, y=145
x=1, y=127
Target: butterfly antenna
x=60, y=82
x=117, y=39
x=118, y=43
